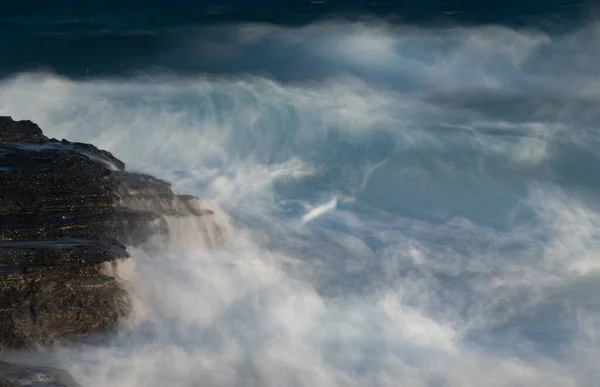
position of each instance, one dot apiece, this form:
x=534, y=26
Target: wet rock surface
x=66, y=211
x=13, y=375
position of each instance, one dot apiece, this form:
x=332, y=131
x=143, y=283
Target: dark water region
x=289, y=12
x=98, y=38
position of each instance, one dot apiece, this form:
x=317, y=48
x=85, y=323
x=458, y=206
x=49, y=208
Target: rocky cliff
x=66, y=211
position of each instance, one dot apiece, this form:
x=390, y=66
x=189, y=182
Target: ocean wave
x=408, y=206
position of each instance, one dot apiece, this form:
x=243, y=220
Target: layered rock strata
x=67, y=210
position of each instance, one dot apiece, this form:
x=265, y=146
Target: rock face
x=66, y=210
x=12, y=375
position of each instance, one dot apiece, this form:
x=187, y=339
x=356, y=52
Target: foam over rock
x=67, y=210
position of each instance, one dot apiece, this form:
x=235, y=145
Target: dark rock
x=19, y=131
x=13, y=375
x=59, y=252
x=66, y=211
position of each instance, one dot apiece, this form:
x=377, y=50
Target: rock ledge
x=67, y=210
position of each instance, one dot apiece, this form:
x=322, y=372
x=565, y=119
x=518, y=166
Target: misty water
x=403, y=206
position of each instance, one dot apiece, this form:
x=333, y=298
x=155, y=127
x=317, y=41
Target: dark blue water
x=411, y=189
x=120, y=37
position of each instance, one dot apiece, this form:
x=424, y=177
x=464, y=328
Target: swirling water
x=409, y=206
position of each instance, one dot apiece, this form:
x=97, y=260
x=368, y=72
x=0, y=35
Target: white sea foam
x=319, y=210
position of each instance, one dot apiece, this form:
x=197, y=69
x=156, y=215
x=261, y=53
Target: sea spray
x=460, y=252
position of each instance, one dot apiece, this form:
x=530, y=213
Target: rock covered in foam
x=66, y=210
